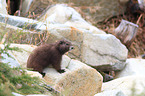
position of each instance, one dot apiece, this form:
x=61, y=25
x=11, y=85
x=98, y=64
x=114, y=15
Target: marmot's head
x=64, y=46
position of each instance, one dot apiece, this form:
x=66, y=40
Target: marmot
x=47, y=54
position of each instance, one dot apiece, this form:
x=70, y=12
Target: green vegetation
x=16, y=79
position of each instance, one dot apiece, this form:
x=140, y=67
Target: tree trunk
x=126, y=32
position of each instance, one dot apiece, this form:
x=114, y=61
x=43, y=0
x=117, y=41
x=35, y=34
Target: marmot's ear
x=61, y=42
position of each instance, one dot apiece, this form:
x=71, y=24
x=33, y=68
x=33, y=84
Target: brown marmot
x=47, y=54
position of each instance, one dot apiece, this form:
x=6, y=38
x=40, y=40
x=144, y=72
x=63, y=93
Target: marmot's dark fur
x=47, y=54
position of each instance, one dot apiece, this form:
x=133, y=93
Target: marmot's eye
x=61, y=42
x=67, y=44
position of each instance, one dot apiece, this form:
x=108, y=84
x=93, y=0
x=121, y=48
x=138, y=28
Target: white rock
x=34, y=73
x=68, y=17
x=104, y=49
x=11, y=61
x=16, y=94
x=65, y=61
x=111, y=93
x=3, y=7
x=133, y=67
x=78, y=80
x=129, y=85
x=19, y=21
x=22, y=57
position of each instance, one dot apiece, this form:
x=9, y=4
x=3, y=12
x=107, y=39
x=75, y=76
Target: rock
x=129, y=85
x=3, y=7
x=65, y=61
x=68, y=17
x=141, y=4
x=22, y=57
x=16, y=94
x=34, y=73
x=7, y=57
x=111, y=93
x=79, y=79
x=104, y=51
x=133, y=67
x=19, y=21
x=11, y=61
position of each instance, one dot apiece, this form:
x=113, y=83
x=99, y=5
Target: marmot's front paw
x=61, y=71
x=43, y=74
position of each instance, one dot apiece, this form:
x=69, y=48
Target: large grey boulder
x=104, y=52
x=79, y=79
x=69, y=17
